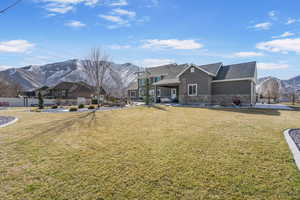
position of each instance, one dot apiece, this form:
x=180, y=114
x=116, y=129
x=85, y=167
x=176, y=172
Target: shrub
x=73, y=109
x=81, y=106
x=54, y=107
x=94, y=101
x=237, y=102
x=91, y=107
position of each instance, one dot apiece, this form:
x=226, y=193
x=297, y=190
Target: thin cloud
x=15, y=46
x=272, y=66
x=152, y=62
x=247, y=54
x=118, y=47
x=281, y=45
x=172, y=44
x=65, y=6
x=128, y=13
x=291, y=21
x=119, y=3
x=75, y=24
x=262, y=26
x=285, y=34
x=273, y=14
x=115, y=19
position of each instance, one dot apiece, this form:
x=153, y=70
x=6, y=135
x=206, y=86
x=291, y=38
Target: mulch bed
x=4, y=120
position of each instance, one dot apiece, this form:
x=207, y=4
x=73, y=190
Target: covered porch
x=166, y=91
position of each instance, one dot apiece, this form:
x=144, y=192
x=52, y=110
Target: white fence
x=20, y=102
x=24, y=102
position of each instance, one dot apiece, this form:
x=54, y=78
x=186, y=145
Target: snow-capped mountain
x=286, y=86
x=35, y=76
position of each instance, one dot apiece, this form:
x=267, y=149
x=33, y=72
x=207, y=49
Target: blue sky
x=154, y=32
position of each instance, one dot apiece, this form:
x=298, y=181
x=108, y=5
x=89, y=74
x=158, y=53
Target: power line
x=10, y=6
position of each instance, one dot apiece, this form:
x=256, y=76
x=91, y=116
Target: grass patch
x=149, y=153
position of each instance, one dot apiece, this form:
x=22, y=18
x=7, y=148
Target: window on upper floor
x=156, y=79
x=192, y=69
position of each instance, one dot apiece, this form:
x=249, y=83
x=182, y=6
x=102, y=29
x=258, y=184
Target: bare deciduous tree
x=96, y=66
x=271, y=90
x=9, y=89
x=10, y=6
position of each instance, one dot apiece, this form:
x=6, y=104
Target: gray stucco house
x=211, y=84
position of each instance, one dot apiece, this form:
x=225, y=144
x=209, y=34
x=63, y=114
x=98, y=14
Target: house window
x=158, y=93
x=151, y=92
x=192, y=89
x=132, y=93
x=141, y=92
x=192, y=70
x=63, y=93
x=156, y=79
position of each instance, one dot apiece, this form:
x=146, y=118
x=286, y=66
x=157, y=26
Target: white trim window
x=158, y=92
x=192, y=89
x=151, y=92
x=192, y=69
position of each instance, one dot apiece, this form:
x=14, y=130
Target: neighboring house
x=212, y=84
x=68, y=90
x=132, y=91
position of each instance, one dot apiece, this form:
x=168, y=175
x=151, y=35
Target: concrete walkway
x=273, y=106
x=5, y=121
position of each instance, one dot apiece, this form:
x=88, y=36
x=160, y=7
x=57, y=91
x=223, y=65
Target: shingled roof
x=211, y=68
x=168, y=71
x=237, y=71
x=172, y=72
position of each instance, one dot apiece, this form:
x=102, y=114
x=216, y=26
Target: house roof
x=172, y=72
x=133, y=86
x=170, y=81
x=210, y=69
x=168, y=71
x=237, y=71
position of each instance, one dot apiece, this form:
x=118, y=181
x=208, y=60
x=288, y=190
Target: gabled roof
x=168, y=71
x=133, y=86
x=169, y=81
x=237, y=71
x=210, y=69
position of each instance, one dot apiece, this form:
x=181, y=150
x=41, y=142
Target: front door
x=173, y=93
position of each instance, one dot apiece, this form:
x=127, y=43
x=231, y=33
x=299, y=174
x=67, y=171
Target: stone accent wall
x=195, y=100
x=227, y=100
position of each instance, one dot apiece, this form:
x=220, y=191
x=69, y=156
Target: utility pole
x=10, y=6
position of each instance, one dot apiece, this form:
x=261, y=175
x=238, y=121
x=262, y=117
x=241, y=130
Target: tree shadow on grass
x=162, y=108
x=57, y=127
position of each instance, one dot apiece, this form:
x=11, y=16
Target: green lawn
x=149, y=153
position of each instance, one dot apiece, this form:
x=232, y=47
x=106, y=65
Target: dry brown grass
x=149, y=153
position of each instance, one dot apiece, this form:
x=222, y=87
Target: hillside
x=35, y=76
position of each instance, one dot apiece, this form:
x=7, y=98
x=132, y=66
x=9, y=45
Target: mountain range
x=36, y=76
x=285, y=86
x=117, y=80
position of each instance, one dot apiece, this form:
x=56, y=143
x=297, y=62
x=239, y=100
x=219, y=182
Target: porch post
x=155, y=91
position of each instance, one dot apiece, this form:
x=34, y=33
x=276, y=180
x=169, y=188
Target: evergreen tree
x=147, y=97
x=41, y=101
